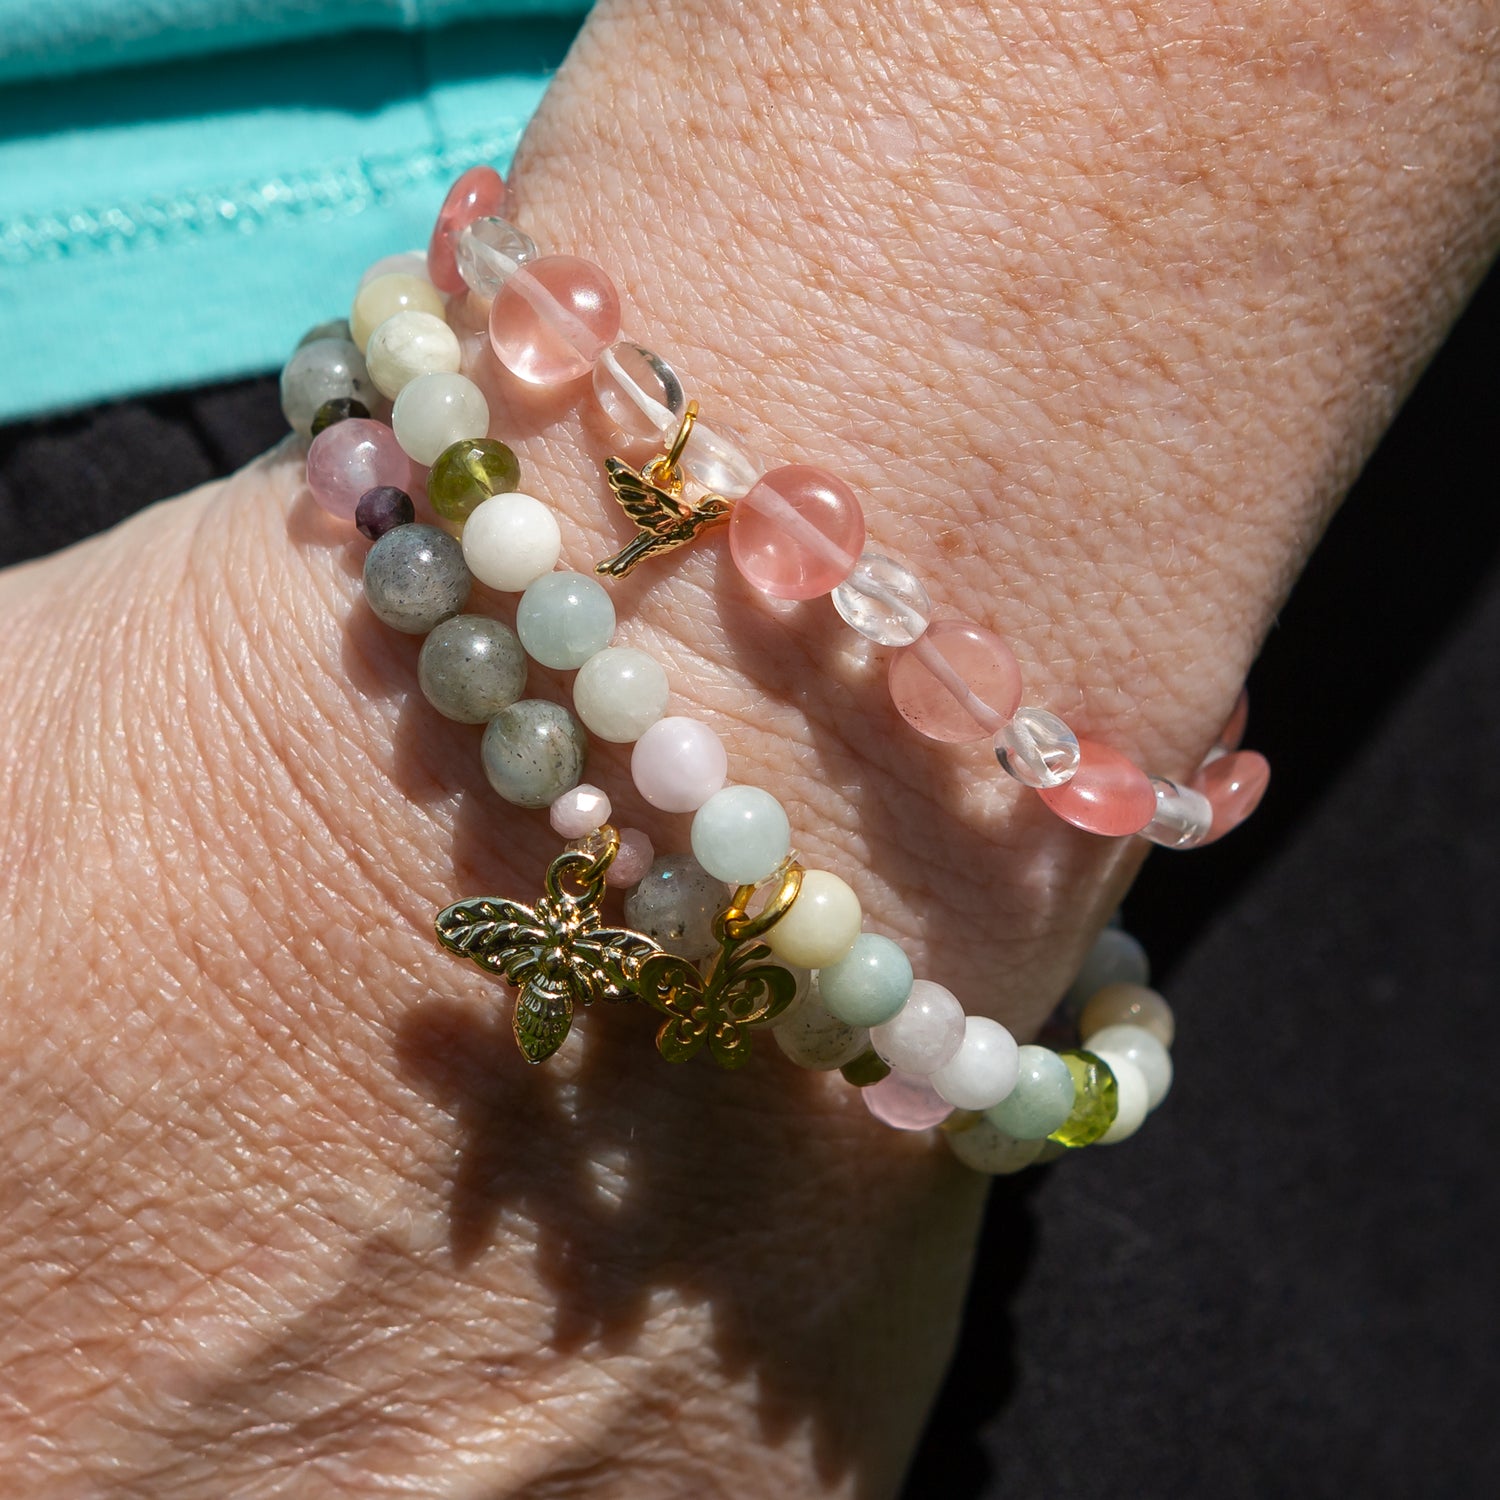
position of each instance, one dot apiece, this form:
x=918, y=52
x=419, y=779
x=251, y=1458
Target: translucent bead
x=467, y=473
x=869, y=1067
x=402, y=263
x=384, y=297
x=1131, y=1096
x=719, y=463
x=533, y=752
x=339, y=409
x=434, y=412
x=1114, y=958
x=1125, y=1004
x=797, y=533
x=1037, y=749
x=478, y=193
x=1234, y=785
x=489, y=251
x=956, y=682
x=470, y=668
x=822, y=924
x=620, y=693
x=675, y=905
x=925, y=1034
x=1108, y=794
x=579, y=811
x=349, y=458
x=983, y=1070
x=870, y=983
x=638, y=391
x=633, y=861
x=1183, y=816
x=741, y=835
x=510, y=541
x=415, y=578
x=813, y=1037
x=383, y=509
x=553, y=319
x=565, y=618
x=1041, y=1100
x=883, y=600
x=678, y=764
x=1095, y=1100
x=982, y=1147
x=324, y=370
x=1137, y=1045
x=407, y=345
x=905, y=1102
x=334, y=328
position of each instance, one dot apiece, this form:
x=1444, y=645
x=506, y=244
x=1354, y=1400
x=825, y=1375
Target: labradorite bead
x=1096, y=1100
x=675, y=904
x=340, y=409
x=334, y=328
x=1042, y=1099
x=415, y=578
x=321, y=371
x=471, y=667
x=565, y=618
x=469, y=472
x=869, y=985
x=533, y=752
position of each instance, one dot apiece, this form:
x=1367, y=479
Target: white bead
x=984, y=1148
x=510, y=540
x=409, y=344
x=638, y=391
x=620, y=693
x=812, y=1037
x=1037, y=749
x=1184, y=816
x=385, y=296
x=984, y=1069
x=435, y=411
x=926, y=1033
x=1133, y=1095
x=884, y=601
x=822, y=924
x=403, y=263
x=1136, y=1044
x=488, y=252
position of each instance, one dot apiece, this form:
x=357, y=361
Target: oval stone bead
x=321, y=371
x=926, y=1033
x=741, y=835
x=957, y=682
x=415, y=578
x=1234, y=785
x=533, y=752
x=553, y=318
x=1037, y=749
x=385, y=296
x=1125, y=1004
x=350, y=458
x=1108, y=794
x=983, y=1147
x=433, y=412
x=822, y=924
x=638, y=391
x=478, y=193
x=471, y=667
x=1042, y=1099
x=678, y=764
x=1137, y=1045
x=675, y=905
x=565, y=618
x=510, y=541
x=409, y=344
x=468, y=473
x=488, y=253
x=1183, y=816
x=1096, y=1100
x=905, y=1102
x=883, y=600
x=870, y=984
x=620, y=693
x=798, y=533
x=719, y=463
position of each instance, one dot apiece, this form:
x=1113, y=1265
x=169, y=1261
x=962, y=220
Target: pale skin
x=1100, y=311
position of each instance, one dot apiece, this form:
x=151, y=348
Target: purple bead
x=347, y=459
x=383, y=509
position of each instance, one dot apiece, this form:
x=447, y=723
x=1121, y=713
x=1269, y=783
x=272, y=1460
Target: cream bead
x=822, y=924
x=1128, y=1005
x=510, y=541
x=383, y=297
x=1133, y=1096
x=435, y=411
x=1136, y=1044
x=620, y=693
x=409, y=344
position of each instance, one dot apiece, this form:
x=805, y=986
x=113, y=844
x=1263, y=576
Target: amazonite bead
x=1115, y=958
x=565, y=618
x=870, y=984
x=985, y=1148
x=1137, y=1045
x=675, y=905
x=741, y=835
x=810, y=1035
x=1042, y=1099
x=533, y=751
x=822, y=924
x=415, y=578
x=471, y=667
x=620, y=693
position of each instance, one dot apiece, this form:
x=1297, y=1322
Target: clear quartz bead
x=1184, y=817
x=638, y=391
x=719, y=463
x=883, y=600
x=488, y=251
x=1037, y=748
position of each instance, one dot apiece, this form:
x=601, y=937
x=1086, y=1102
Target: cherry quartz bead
x=478, y=194
x=956, y=682
x=1234, y=785
x=347, y=460
x=553, y=318
x=797, y=533
x=1108, y=794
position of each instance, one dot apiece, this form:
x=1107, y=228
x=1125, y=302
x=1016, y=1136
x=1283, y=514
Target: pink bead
x=1234, y=785
x=351, y=457
x=478, y=194
x=1108, y=794
x=553, y=318
x=798, y=533
x=906, y=1103
x=955, y=682
x=678, y=764
x=579, y=811
x=633, y=862
x=1233, y=733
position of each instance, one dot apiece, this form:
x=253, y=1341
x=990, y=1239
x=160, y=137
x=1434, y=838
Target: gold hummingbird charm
x=652, y=498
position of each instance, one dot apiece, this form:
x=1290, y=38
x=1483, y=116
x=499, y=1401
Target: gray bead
x=471, y=667
x=676, y=904
x=321, y=371
x=415, y=578
x=334, y=328
x=533, y=752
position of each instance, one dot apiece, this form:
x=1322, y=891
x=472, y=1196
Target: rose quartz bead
x=1233, y=731
x=678, y=764
x=553, y=318
x=924, y=1034
x=1233, y=784
x=955, y=682
x=478, y=194
x=579, y=811
x=798, y=533
x=1108, y=794
x=906, y=1103
x=633, y=862
x=351, y=457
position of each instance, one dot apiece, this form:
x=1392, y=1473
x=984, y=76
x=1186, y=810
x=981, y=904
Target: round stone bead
x=906, y=1102
x=1115, y=958
x=384, y=297
x=433, y=412
x=1042, y=1099
x=925, y=1034
x=883, y=600
x=741, y=835
x=1233, y=785
x=811, y=1036
x=334, y=328
x=1037, y=749
x=638, y=391
x=678, y=764
x=719, y=463
x=467, y=473
x=983, y=1070
x=323, y=370
x=822, y=924
x=478, y=193
x=1128, y=1005
x=984, y=1147
x=1095, y=1100
x=579, y=812
x=1137, y=1045
x=633, y=861
x=798, y=533
x=415, y=578
x=675, y=905
x=510, y=541
x=409, y=344
x=1183, y=816
x=1132, y=1098
x=565, y=618
x=383, y=509
x=620, y=693
x=488, y=252
x=471, y=667
x=870, y=983
x=402, y=263
x=339, y=409
x=956, y=683
x=1108, y=794
x=553, y=318
x=533, y=752
x=350, y=458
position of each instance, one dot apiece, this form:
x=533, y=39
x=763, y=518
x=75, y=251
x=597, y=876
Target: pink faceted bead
x=351, y=457
x=633, y=862
x=955, y=682
x=906, y=1103
x=1233, y=732
x=553, y=318
x=798, y=533
x=1108, y=794
x=579, y=811
x=1234, y=785
x=678, y=764
x=478, y=194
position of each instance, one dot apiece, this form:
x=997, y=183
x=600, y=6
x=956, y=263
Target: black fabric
x=1287, y=1285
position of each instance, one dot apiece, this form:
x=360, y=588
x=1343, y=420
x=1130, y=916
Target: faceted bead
x=385, y=296
x=798, y=533
x=553, y=318
x=565, y=618
x=383, y=509
x=821, y=925
x=334, y=328
x=741, y=835
x=984, y=1147
x=1183, y=816
x=1041, y=1100
x=1233, y=732
x=905, y=1102
x=488, y=251
x=1108, y=794
x=402, y=263
x=415, y=577
x=633, y=862
x=1125, y=1004
x=1095, y=1101
x=1234, y=785
x=510, y=541
x=1115, y=958
x=678, y=764
x=1137, y=1045
x=1037, y=749
x=436, y=411
x=813, y=1037
x=956, y=682
x=471, y=667
x=926, y=1033
x=1131, y=1098
x=983, y=1071
x=675, y=905
x=479, y=193
x=468, y=473
x=579, y=811
x=349, y=458
x=638, y=391
x=620, y=693
x=869, y=1067
x=533, y=752
x=870, y=983
x=407, y=345
x=719, y=463
x=339, y=409
x=883, y=600
x=323, y=370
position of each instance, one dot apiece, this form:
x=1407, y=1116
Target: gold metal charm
x=652, y=498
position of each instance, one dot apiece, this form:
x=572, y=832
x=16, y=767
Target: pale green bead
x=1042, y=1099
x=741, y=835
x=870, y=984
x=565, y=618
x=979, y=1145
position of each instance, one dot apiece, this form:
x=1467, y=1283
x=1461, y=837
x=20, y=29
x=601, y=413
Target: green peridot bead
x=869, y=1067
x=468, y=473
x=1095, y=1104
